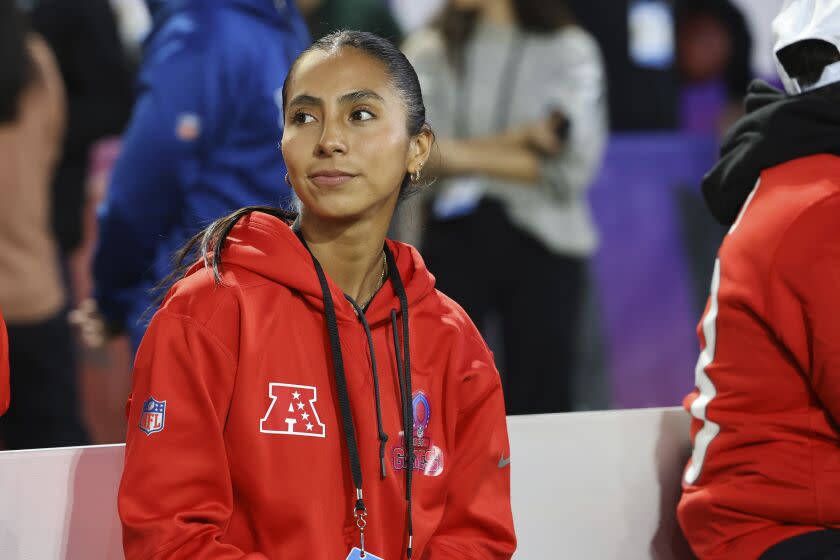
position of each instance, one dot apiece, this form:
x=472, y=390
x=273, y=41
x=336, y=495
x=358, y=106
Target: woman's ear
x=419, y=149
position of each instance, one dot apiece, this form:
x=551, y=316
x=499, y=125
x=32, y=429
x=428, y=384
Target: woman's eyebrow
x=305, y=99
x=361, y=95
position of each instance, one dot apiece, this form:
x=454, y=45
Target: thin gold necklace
x=379, y=283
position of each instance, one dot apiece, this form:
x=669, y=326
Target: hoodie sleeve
x=176, y=497
x=477, y=523
x=160, y=157
x=4, y=368
x=809, y=265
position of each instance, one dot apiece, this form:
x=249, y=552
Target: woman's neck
x=351, y=254
x=499, y=12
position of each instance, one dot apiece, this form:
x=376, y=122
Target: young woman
x=516, y=94
x=276, y=385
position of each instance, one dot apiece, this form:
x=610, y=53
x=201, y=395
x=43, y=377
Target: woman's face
x=345, y=141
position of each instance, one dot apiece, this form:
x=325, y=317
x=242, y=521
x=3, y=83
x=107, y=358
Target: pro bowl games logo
x=428, y=458
x=153, y=416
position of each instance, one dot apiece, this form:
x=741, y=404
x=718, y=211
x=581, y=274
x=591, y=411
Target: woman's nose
x=332, y=140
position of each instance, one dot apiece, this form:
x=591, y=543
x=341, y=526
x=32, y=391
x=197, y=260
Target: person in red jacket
x=764, y=477
x=304, y=391
x=5, y=391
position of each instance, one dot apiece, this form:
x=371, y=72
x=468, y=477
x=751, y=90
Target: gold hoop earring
x=287, y=180
x=415, y=177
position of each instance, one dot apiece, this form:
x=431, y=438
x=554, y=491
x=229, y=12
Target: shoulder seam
x=204, y=329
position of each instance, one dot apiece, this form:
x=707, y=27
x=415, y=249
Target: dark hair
x=208, y=244
x=17, y=69
x=535, y=16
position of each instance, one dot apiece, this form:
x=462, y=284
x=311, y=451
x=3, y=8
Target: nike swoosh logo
x=503, y=462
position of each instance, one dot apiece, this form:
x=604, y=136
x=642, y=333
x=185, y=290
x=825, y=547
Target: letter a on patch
x=292, y=411
x=153, y=416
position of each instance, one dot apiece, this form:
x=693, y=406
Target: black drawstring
x=405, y=388
x=404, y=373
x=383, y=437
x=341, y=384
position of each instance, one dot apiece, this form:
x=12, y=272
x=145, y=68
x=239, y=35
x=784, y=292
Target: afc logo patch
x=292, y=411
x=152, y=416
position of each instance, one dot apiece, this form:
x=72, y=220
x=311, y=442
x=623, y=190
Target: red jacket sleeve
x=176, y=497
x=4, y=368
x=478, y=523
x=809, y=263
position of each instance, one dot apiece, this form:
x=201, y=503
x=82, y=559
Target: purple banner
x=645, y=281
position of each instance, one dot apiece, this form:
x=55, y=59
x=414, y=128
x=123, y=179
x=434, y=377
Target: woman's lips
x=330, y=179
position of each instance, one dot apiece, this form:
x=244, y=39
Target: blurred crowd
x=126, y=126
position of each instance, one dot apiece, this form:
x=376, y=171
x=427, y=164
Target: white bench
x=591, y=485
x=599, y=485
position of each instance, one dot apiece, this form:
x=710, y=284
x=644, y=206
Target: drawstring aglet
x=383, y=439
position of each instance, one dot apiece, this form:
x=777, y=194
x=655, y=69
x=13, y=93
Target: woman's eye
x=303, y=118
x=361, y=115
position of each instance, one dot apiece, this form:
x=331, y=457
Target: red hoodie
x=766, y=444
x=236, y=447
x=4, y=368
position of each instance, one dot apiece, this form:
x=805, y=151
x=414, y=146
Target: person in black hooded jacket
x=762, y=480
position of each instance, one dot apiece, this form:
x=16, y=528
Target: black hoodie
x=776, y=129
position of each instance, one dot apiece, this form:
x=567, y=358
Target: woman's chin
x=337, y=211
x=338, y=208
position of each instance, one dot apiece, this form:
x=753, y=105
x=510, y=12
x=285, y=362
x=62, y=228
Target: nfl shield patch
x=153, y=416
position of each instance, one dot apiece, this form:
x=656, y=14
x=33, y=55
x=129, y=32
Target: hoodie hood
x=776, y=129
x=268, y=247
x=277, y=12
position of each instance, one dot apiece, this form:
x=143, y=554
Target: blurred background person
x=203, y=141
x=93, y=41
x=516, y=94
x=97, y=75
x=637, y=38
x=714, y=59
x=326, y=16
x=44, y=410
x=674, y=63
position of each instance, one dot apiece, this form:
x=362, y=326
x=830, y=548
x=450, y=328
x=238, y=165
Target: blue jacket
x=202, y=142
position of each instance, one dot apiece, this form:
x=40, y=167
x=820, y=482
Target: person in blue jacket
x=202, y=141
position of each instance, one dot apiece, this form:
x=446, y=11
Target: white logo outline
x=311, y=405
